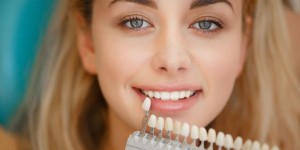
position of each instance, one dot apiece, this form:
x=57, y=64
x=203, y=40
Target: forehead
x=234, y=4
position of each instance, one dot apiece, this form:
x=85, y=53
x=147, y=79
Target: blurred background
x=22, y=26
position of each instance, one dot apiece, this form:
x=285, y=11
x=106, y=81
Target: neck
x=117, y=134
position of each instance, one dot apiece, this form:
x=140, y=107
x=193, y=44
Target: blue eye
x=135, y=23
x=207, y=25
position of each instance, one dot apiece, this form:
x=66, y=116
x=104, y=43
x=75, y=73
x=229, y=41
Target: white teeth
x=187, y=94
x=181, y=94
x=176, y=95
x=157, y=95
x=165, y=95
x=150, y=94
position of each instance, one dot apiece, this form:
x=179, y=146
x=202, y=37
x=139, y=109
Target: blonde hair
x=264, y=104
x=66, y=109
x=293, y=4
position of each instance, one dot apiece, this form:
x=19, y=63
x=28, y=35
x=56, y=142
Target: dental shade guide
x=182, y=133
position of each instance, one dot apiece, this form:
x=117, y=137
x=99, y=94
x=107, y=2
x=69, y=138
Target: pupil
x=205, y=25
x=136, y=23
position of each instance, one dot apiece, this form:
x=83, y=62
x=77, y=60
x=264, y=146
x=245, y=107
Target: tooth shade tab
x=177, y=127
x=265, y=147
x=247, y=145
x=160, y=123
x=194, y=132
x=185, y=130
x=228, y=141
x=146, y=104
x=211, y=136
x=152, y=121
x=255, y=146
x=275, y=148
x=220, y=139
x=238, y=143
x=169, y=124
x=163, y=95
x=202, y=134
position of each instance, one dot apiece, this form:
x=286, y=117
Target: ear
x=85, y=44
x=246, y=37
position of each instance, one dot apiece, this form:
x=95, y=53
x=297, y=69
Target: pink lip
x=170, y=107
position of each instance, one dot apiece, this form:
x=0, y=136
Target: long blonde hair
x=66, y=109
x=264, y=104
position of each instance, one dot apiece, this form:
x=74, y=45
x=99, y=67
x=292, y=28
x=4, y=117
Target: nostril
x=163, y=68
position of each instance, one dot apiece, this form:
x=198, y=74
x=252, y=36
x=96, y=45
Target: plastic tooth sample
x=185, y=130
x=220, y=140
x=247, y=145
x=160, y=126
x=202, y=137
x=228, y=141
x=255, y=146
x=194, y=135
x=265, y=147
x=177, y=128
x=238, y=143
x=275, y=148
x=155, y=141
x=146, y=107
x=152, y=124
x=211, y=138
x=168, y=128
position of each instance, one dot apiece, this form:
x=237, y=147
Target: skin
x=170, y=50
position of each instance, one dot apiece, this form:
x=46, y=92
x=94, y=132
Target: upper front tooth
x=182, y=94
x=188, y=94
x=165, y=95
x=157, y=95
x=150, y=94
x=176, y=95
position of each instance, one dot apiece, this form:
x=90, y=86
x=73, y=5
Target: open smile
x=170, y=101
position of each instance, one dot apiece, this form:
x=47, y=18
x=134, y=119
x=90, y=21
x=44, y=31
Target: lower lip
x=170, y=107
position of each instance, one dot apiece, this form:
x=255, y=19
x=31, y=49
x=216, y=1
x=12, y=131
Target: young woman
x=223, y=64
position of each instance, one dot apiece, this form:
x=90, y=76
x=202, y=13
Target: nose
x=171, y=53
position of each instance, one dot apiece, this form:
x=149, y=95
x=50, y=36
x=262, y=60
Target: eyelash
x=218, y=24
x=126, y=20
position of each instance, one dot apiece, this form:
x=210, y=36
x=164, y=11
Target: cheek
x=219, y=62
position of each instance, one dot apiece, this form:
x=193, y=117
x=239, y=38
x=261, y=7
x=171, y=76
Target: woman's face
x=183, y=54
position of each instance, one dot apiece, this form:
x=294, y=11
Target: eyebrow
x=195, y=3
x=201, y=3
x=149, y=3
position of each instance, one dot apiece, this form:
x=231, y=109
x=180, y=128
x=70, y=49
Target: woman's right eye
x=135, y=23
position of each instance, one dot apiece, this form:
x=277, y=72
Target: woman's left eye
x=135, y=23
x=207, y=25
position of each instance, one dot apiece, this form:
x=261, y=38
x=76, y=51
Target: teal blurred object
x=22, y=24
